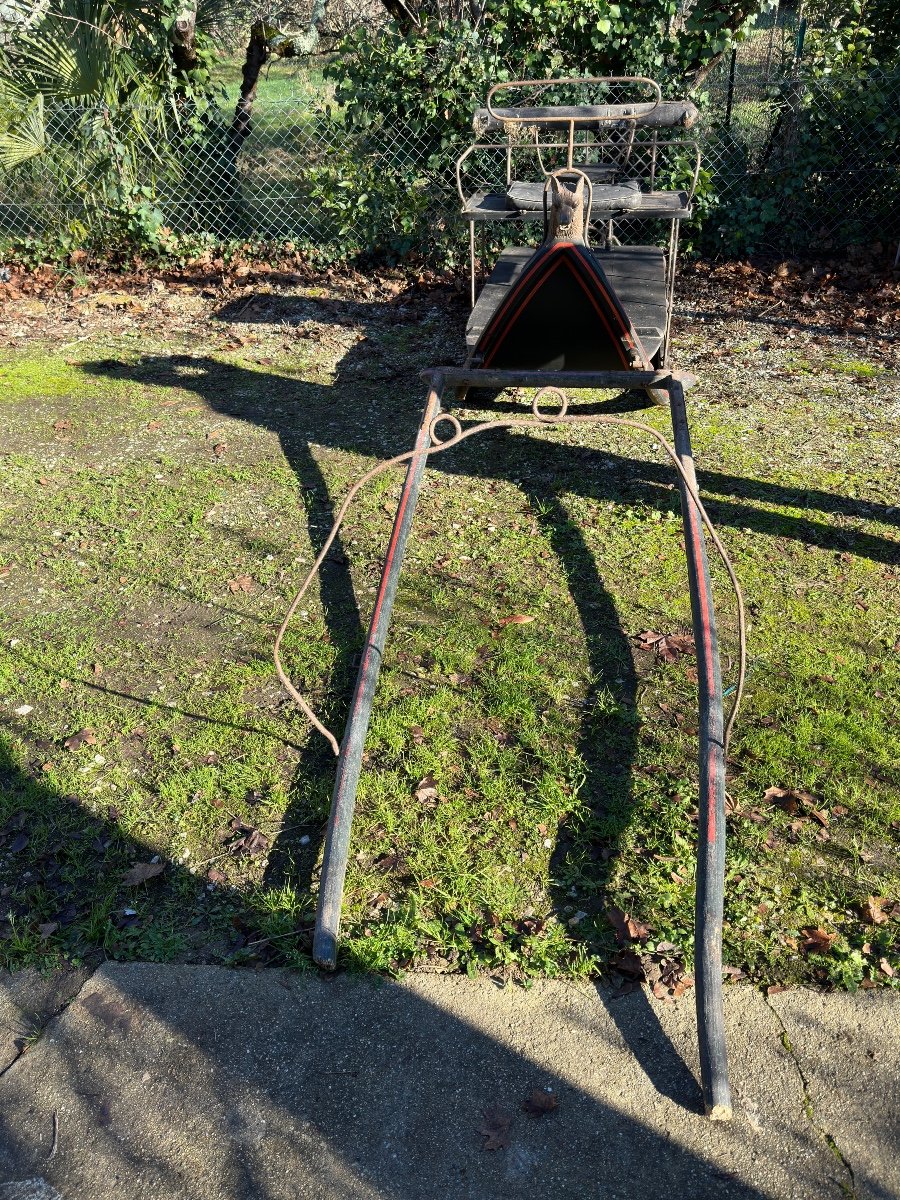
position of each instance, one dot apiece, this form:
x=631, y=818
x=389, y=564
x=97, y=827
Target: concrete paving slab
x=28, y=999
x=207, y=1083
x=847, y=1048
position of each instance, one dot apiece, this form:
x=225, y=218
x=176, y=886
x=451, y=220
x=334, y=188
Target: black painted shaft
x=711, y=806
x=343, y=801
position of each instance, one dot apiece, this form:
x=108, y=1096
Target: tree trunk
x=257, y=56
x=184, y=46
x=722, y=15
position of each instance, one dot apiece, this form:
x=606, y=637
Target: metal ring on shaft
x=445, y=416
x=549, y=418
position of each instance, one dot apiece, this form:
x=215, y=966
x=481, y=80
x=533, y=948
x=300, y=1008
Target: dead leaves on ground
x=662, y=969
x=141, y=872
x=817, y=940
x=627, y=928
x=494, y=1128
x=855, y=290
x=800, y=805
x=496, y=1121
x=669, y=647
x=249, y=841
x=540, y=1102
x=873, y=911
x=84, y=737
x=515, y=619
x=792, y=801
x=426, y=790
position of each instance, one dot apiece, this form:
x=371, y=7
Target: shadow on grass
x=383, y=421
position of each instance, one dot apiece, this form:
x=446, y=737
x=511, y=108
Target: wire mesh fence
x=789, y=163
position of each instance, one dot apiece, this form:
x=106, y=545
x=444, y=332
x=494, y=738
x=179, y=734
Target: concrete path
x=206, y=1083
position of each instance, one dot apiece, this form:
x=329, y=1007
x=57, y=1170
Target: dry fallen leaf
x=626, y=927
x=791, y=800
x=540, y=1102
x=252, y=841
x=637, y=930
x=48, y=928
x=84, y=737
x=242, y=583
x=872, y=912
x=517, y=619
x=426, y=789
x=667, y=646
x=141, y=872
x=817, y=941
x=885, y=966
x=494, y=1129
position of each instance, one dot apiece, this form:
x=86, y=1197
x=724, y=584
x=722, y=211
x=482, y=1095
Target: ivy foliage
x=429, y=76
x=426, y=75
x=830, y=169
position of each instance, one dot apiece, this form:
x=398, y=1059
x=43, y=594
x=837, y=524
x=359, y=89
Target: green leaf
x=27, y=138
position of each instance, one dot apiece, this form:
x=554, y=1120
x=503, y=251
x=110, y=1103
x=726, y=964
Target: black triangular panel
x=561, y=314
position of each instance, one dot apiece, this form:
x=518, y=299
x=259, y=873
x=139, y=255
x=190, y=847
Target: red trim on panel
x=522, y=294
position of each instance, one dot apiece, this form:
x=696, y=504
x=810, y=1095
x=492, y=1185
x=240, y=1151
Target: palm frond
x=24, y=138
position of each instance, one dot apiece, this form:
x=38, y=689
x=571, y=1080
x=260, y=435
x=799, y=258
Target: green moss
x=853, y=366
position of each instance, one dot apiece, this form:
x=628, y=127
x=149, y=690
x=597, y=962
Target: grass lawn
x=170, y=466
x=282, y=80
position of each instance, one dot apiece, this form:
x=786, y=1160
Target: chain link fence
x=789, y=164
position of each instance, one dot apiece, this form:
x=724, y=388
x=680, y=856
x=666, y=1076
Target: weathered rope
x=561, y=417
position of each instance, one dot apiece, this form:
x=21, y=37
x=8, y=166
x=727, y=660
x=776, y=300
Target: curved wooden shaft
x=711, y=824
x=343, y=800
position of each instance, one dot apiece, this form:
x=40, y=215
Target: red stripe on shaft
x=389, y=558
x=705, y=626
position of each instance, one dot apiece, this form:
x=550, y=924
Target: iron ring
x=457, y=429
x=549, y=418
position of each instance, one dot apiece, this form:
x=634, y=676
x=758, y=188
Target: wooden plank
x=671, y=206
x=479, y=377
x=497, y=206
x=507, y=269
x=638, y=275
x=492, y=206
